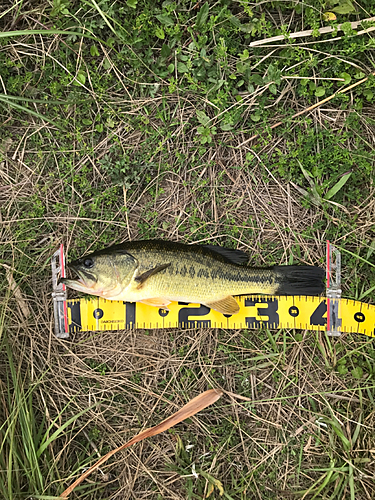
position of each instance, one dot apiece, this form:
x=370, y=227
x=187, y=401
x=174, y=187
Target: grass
x=127, y=120
x=31, y=462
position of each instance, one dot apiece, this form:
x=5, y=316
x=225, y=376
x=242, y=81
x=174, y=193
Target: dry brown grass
x=263, y=438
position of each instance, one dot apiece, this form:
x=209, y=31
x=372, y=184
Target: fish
x=157, y=272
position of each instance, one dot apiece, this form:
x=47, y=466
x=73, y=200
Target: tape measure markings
x=300, y=312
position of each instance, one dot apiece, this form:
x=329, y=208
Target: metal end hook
x=59, y=294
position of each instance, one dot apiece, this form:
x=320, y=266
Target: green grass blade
x=5, y=12
x=7, y=97
x=367, y=292
x=29, y=111
x=11, y=34
x=336, y=188
x=59, y=431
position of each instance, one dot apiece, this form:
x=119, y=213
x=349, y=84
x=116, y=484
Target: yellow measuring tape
x=256, y=311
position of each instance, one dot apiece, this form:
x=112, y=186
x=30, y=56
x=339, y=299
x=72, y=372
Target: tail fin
x=300, y=280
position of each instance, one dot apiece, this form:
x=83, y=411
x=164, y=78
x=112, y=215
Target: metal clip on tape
x=334, y=321
x=59, y=294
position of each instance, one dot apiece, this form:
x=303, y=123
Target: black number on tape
x=317, y=316
x=359, y=317
x=75, y=312
x=294, y=311
x=185, y=321
x=270, y=311
x=129, y=314
x=98, y=313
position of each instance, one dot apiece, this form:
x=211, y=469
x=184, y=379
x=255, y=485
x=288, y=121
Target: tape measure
x=331, y=313
x=256, y=311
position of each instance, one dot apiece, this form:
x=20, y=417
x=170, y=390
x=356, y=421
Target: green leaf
x=235, y=21
x=171, y=68
x=227, y=126
x=202, y=117
x=320, y=91
x=94, y=50
x=165, y=51
x=336, y=188
x=248, y=27
x=202, y=15
x=368, y=94
x=342, y=369
x=132, y=3
x=256, y=79
x=272, y=88
x=347, y=78
x=110, y=123
x=81, y=78
x=159, y=32
x=307, y=175
x=244, y=55
x=357, y=372
x=182, y=68
x=344, y=7
x=255, y=117
x=86, y=121
x=164, y=19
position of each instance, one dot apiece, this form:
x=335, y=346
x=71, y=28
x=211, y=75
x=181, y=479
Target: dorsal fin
x=144, y=276
x=234, y=256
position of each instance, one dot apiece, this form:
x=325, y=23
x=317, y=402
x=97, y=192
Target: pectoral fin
x=157, y=302
x=144, y=276
x=225, y=306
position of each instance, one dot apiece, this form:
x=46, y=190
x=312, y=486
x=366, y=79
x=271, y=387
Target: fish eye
x=88, y=263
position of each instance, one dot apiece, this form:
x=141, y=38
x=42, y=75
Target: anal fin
x=156, y=302
x=225, y=306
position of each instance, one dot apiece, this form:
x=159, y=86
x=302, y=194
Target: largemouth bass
x=157, y=272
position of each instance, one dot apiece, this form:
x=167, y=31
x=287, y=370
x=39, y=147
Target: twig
x=191, y=408
x=300, y=34
x=21, y=302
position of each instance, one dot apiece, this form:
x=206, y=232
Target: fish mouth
x=84, y=283
x=83, y=275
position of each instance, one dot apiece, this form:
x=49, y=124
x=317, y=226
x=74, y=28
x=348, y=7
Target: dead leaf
x=191, y=408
